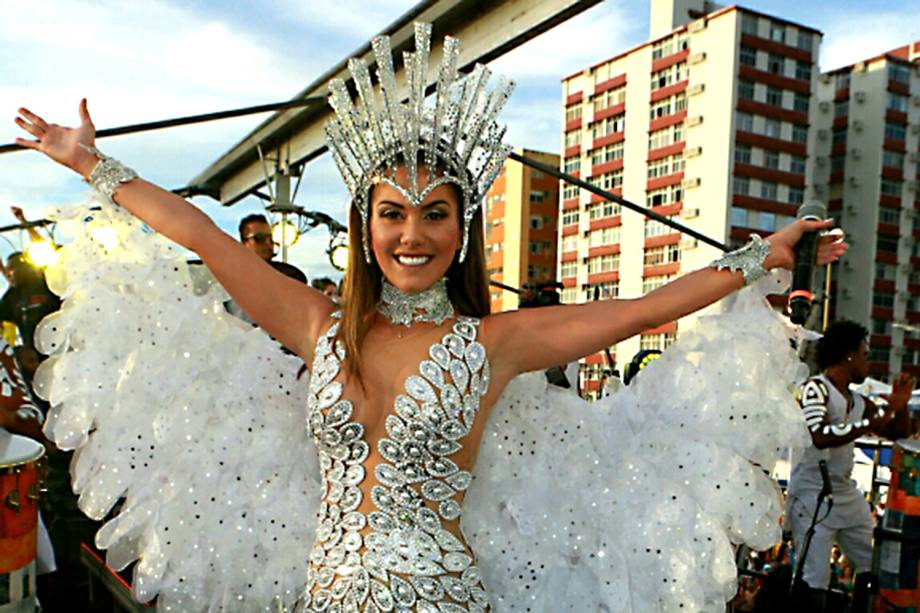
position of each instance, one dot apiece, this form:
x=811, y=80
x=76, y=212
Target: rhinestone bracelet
x=108, y=174
x=748, y=259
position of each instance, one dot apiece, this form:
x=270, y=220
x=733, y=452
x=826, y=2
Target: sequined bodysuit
x=406, y=554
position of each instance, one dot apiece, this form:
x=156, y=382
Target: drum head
x=16, y=450
x=911, y=446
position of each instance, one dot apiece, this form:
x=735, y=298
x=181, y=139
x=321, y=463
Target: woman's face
x=414, y=246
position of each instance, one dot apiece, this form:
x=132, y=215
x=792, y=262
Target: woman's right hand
x=60, y=143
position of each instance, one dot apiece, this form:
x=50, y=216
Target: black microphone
x=826, y=489
x=806, y=252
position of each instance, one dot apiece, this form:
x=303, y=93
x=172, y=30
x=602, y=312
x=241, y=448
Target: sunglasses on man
x=259, y=237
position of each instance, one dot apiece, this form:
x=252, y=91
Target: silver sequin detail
x=402, y=309
x=373, y=135
x=408, y=561
x=748, y=259
x=108, y=174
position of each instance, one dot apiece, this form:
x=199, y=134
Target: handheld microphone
x=826, y=489
x=806, y=252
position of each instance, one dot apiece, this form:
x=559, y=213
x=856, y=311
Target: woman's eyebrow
x=435, y=203
x=391, y=203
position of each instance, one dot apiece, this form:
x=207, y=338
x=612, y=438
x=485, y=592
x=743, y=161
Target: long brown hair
x=467, y=284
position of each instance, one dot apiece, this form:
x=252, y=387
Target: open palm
x=60, y=143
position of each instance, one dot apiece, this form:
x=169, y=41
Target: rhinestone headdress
x=374, y=135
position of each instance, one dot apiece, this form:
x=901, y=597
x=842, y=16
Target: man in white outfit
x=836, y=417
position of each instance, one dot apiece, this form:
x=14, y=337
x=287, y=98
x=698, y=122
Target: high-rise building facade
x=866, y=141
x=706, y=123
x=521, y=210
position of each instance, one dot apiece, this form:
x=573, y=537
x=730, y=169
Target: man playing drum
x=836, y=417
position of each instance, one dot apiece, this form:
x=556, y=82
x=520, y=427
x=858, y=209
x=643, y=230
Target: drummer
x=836, y=417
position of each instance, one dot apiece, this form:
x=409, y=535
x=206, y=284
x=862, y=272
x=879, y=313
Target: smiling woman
x=434, y=475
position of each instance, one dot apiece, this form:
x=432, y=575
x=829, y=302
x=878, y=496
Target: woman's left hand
x=831, y=246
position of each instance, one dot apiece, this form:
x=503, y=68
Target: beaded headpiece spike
x=372, y=136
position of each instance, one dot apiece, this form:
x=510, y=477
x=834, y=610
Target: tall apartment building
x=521, y=209
x=866, y=166
x=707, y=123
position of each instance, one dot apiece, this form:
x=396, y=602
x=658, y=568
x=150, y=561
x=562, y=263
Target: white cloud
x=853, y=35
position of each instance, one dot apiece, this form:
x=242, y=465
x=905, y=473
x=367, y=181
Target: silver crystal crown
x=373, y=135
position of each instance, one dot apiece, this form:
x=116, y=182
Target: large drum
x=897, y=541
x=20, y=486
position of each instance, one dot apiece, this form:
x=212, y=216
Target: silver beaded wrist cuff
x=748, y=259
x=108, y=174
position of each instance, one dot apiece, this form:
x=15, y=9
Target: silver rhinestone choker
x=430, y=305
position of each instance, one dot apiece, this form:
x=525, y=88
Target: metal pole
x=827, y=296
x=182, y=121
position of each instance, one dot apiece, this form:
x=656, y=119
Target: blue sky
x=142, y=61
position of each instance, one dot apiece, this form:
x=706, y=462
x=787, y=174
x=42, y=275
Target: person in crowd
x=256, y=235
x=836, y=417
x=327, y=286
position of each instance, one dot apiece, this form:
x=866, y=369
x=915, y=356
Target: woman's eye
x=390, y=214
x=436, y=215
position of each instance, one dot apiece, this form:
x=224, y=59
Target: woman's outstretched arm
x=535, y=339
x=288, y=310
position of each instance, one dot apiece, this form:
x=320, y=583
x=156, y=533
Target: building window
x=573, y=138
x=899, y=73
x=766, y=221
x=803, y=41
x=838, y=163
x=778, y=32
x=879, y=354
x=894, y=159
x=664, y=195
x=881, y=326
x=885, y=271
x=800, y=103
x=666, y=166
x=600, y=210
x=650, y=284
x=745, y=122
x=604, y=237
x=665, y=137
x=839, y=136
x=670, y=46
x=773, y=128
x=666, y=254
x=797, y=164
x=748, y=56
x=668, y=106
x=739, y=217
x=569, y=191
x=608, y=153
x=603, y=263
x=570, y=243
x=536, y=222
x=895, y=131
x=886, y=243
x=768, y=190
x=608, y=180
x=537, y=197
x=745, y=89
x=890, y=217
x=568, y=269
x=656, y=228
x=607, y=289
x=796, y=195
x=897, y=102
x=573, y=112
x=799, y=134
x=749, y=24
x=802, y=71
x=669, y=76
x=842, y=80
x=609, y=98
x=891, y=187
x=771, y=159
x=570, y=217
x=774, y=96
x=572, y=164
x=743, y=154
x=841, y=108
x=608, y=126
x=657, y=341
x=569, y=295
x=741, y=185
x=776, y=63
